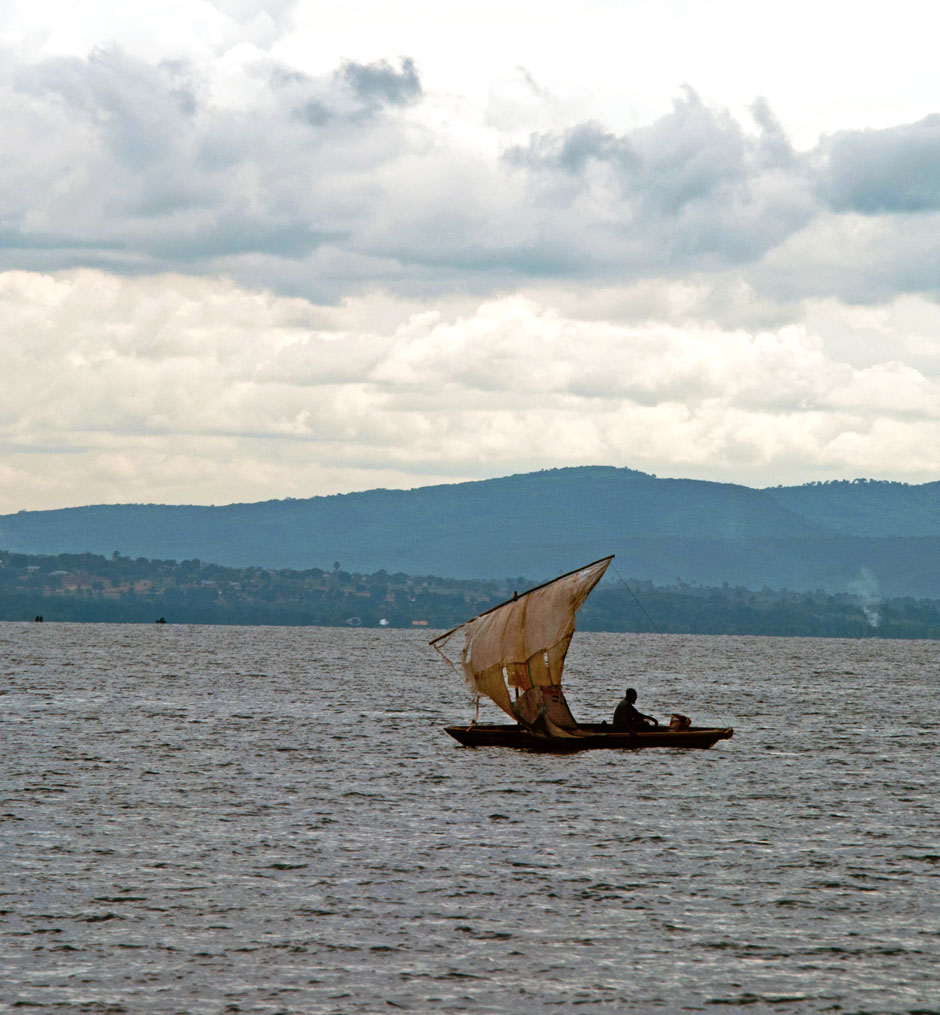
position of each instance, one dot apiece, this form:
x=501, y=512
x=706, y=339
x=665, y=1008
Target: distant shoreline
x=88, y=588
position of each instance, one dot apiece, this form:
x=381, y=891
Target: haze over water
x=209, y=819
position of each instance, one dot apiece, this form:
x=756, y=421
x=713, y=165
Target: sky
x=254, y=250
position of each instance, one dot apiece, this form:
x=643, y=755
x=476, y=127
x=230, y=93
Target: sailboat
x=520, y=646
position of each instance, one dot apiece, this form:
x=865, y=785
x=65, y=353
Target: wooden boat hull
x=592, y=736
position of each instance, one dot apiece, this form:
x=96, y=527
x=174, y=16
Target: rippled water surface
x=206, y=819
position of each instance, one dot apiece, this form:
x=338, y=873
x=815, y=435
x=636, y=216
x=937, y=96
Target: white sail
x=523, y=642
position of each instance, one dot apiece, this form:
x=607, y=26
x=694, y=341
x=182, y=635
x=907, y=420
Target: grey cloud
x=179, y=76
x=351, y=94
x=234, y=235
x=892, y=170
x=572, y=153
x=305, y=95
x=381, y=84
x=692, y=155
x=857, y=259
x=130, y=168
x=775, y=148
x=137, y=107
x=316, y=113
x=686, y=156
x=325, y=188
x=692, y=190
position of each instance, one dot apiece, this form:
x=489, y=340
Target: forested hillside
x=866, y=507
x=836, y=537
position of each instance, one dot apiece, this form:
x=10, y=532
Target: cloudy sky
x=257, y=250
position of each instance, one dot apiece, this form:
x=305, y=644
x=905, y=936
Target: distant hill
x=879, y=537
x=866, y=507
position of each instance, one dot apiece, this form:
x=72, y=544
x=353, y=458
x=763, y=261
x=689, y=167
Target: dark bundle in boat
x=521, y=645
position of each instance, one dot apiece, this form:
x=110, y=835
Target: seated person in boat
x=627, y=717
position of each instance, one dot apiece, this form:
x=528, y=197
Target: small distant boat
x=521, y=644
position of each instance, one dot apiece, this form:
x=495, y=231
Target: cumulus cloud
x=286, y=282
x=893, y=170
x=329, y=185
x=130, y=166
x=380, y=84
x=692, y=191
x=175, y=388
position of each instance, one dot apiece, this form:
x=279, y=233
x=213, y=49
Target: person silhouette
x=627, y=716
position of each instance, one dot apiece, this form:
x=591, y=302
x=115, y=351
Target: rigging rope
x=636, y=600
x=645, y=614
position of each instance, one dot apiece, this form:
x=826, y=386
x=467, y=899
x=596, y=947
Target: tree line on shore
x=94, y=588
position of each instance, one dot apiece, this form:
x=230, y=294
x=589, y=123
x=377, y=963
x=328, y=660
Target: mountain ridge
x=825, y=536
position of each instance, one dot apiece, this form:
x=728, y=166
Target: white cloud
x=253, y=249
x=172, y=388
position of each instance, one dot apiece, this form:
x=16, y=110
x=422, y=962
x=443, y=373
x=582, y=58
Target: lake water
x=209, y=819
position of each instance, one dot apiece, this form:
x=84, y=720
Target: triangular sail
x=522, y=643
